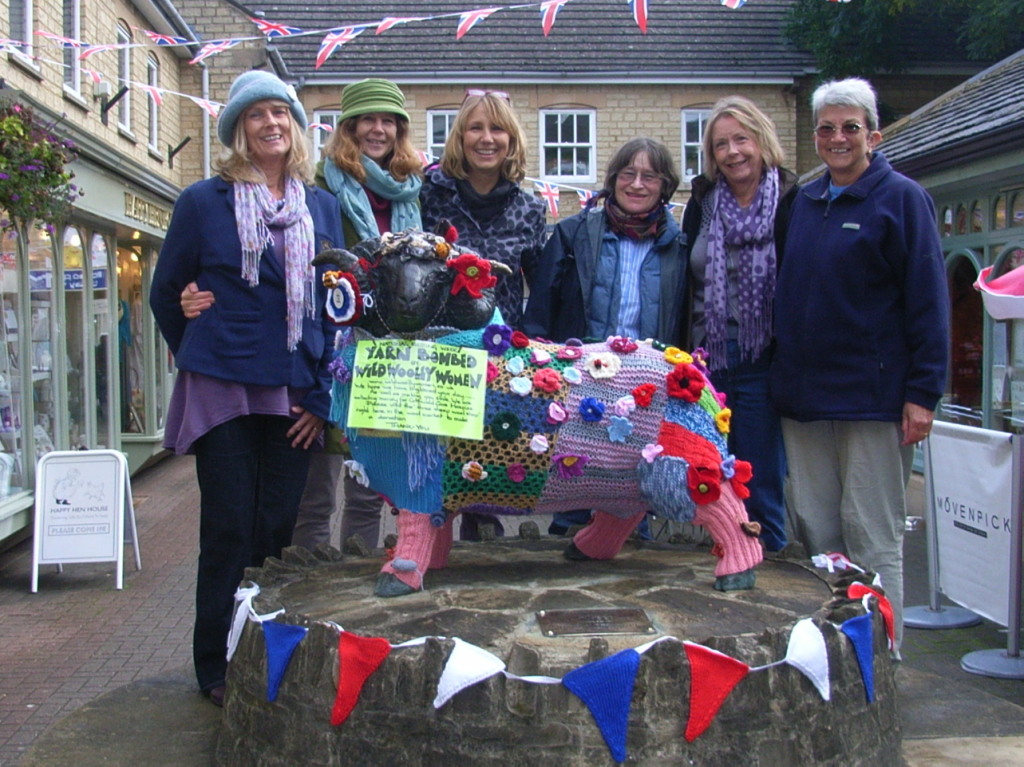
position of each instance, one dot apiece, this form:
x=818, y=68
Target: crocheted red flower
x=703, y=484
x=685, y=382
x=547, y=379
x=643, y=394
x=492, y=371
x=520, y=340
x=743, y=474
x=516, y=472
x=474, y=274
x=622, y=345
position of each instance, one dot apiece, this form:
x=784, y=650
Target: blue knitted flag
x=606, y=687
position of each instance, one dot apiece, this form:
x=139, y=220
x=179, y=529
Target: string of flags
x=604, y=686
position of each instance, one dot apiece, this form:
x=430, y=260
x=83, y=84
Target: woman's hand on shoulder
x=195, y=301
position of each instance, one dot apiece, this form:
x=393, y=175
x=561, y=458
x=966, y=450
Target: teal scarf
x=355, y=205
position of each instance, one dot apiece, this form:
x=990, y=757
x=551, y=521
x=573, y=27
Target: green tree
x=863, y=37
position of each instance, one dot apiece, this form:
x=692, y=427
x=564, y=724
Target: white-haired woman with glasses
x=476, y=189
x=735, y=224
x=862, y=338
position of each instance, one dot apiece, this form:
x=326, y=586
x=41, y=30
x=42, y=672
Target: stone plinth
x=489, y=596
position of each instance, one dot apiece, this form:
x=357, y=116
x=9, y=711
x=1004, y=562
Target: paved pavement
x=95, y=676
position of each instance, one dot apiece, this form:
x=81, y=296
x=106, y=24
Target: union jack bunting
x=160, y=39
x=734, y=4
x=208, y=106
x=211, y=49
x=321, y=126
x=550, y=194
x=154, y=93
x=270, y=29
x=469, y=19
x=93, y=75
x=640, y=13
x=585, y=196
x=393, y=21
x=89, y=50
x=334, y=40
x=425, y=158
x=548, y=10
x=63, y=42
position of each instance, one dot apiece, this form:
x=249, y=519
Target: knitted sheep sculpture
x=623, y=427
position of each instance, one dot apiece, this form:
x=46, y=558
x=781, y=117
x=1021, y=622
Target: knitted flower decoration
x=339, y=370
x=515, y=366
x=569, y=353
x=619, y=429
x=700, y=358
x=624, y=405
x=685, y=382
x=622, y=345
x=473, y=274
x=505, y=426
x=520, y=340
x=674, y=356
x=557, y=413
x=569, y=465
x=516, y=472
x=548, y=379
x=539, y=443
x=357, y=471
x=704, y=484
x=722, y=420
x=492, y=371
x=521, y=385
x=742, y=474
x=643, y=394
x=540, y=357
x=473, y=471
x=497, y=338
x=650, y=452
x=591, y=409
x=572, y=375
x=602, y=365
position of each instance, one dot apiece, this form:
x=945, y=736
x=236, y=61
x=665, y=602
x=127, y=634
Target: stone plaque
x=615, y=620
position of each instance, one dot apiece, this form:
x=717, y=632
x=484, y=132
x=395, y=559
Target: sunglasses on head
x=473, y=92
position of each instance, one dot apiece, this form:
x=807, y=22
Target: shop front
x=82, y=365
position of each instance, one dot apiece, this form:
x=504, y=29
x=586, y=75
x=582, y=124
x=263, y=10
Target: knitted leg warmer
x=442, y=545
x=604, y=536
x=413, y=552
x=725, y=518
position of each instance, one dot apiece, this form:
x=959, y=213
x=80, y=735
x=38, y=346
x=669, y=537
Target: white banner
x=971, y=473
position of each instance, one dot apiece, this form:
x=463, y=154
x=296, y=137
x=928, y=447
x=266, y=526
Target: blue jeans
x=756, y=436
x=250, y=483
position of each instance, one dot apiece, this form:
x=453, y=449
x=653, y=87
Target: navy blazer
x=243, y=336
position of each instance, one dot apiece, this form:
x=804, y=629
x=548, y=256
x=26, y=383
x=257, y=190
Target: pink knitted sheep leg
x=604, y=536
x=442, y=544
x=413, y=552
x=725, y=518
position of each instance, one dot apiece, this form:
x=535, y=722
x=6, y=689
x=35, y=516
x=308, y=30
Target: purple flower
x=339, y=370
x=569, y=465
x=516, y=472
x=497, y=338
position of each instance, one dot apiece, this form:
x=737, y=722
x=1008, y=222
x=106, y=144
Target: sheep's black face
x=411, y=290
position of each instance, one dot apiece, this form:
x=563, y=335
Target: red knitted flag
x=712, y=677
x=358, y=657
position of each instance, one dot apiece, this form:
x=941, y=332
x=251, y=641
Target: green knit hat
x=372, y=95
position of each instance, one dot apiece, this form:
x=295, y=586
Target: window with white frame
x=568, y=146
x=439, y=125
x=693, y=139
x=321, y=136
x=153, y=123
x=124, y=76
x=19, y=19
x=72, y=30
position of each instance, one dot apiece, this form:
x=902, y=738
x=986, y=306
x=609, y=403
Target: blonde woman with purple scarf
x=735, y=223
x=253, y=391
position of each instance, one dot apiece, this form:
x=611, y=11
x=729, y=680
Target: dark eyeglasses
x=476, y=92
x=848, y=129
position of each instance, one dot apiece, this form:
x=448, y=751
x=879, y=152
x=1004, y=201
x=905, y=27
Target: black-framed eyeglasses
x=848, y=129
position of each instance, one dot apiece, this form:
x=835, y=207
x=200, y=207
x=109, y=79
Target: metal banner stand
x=935, y=615
x=1008, y=663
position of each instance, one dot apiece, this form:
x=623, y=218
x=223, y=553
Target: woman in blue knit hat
x=253, y=390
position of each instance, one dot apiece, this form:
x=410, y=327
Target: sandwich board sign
x=83, y=506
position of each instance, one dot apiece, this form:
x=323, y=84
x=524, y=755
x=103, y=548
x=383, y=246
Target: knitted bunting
x=859, y=591
x=712, y=677
x=358, y=658
x=606, y=687
x=467, y=665
x=859, y=631
x=281, y=640
x=806, y=652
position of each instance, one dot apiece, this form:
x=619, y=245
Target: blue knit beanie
x=250, y=87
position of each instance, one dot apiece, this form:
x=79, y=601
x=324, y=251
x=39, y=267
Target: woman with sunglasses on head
x=613, y=270
x=862, y=338
x=476, y=188
x=735, y=223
